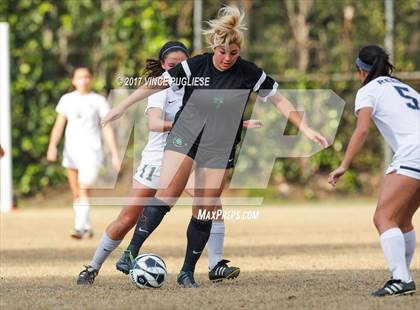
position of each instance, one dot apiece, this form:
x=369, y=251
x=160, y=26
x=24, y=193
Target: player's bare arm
x=56, y=134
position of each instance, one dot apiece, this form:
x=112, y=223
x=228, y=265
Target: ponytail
x=227, y=28
x=374, y=60
x=153, y=68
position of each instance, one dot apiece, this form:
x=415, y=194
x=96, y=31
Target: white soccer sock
x=104, y=249
x=215, y=243
x=79, y=219
x=393, y=246
x=410, y=246
x=84, y=207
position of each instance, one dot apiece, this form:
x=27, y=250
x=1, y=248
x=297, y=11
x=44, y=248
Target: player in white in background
x=395, y=109
x=82, y=111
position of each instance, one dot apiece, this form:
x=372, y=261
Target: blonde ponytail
x=227, y=28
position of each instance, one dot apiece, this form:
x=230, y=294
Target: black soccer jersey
x=214, y=101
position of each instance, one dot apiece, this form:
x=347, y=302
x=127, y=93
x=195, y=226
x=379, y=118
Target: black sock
x=198, y=234
x=153, y=214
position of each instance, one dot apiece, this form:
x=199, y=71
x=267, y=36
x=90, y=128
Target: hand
x=114, y=114
x=52, y=153
x=252, y=123
x=116, y=163
x=315, y=136
x=335, y=175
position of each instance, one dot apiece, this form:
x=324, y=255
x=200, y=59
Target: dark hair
x=153, y=67
x=378, y=60
x=73, y=72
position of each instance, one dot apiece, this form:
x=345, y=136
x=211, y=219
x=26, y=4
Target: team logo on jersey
x=178, y=142
x=218, y=101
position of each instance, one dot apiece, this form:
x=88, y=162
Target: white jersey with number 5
x=396, y=112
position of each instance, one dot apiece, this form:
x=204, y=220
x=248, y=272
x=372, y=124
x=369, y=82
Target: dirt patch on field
x=299, y=257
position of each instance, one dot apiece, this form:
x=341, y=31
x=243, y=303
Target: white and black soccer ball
x=149, y=271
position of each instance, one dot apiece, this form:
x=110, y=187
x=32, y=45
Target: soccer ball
x=149, y=271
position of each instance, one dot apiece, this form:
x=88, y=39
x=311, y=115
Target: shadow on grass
x=76, y=254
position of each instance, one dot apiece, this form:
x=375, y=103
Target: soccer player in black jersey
x=206, y=130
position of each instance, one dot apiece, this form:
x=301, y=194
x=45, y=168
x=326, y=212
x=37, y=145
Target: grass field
x=294, y=257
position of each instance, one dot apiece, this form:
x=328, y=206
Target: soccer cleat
x=186, y=279
x=222, y=271
x=88, y=233
x=87, y=276
x=77, y=234
x=396, y=287
x=125, y=263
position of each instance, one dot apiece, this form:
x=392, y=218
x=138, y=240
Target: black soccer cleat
x=186, y=279
x=222, y=271
x=87, y=276
x=125, y=263
x=396, y=287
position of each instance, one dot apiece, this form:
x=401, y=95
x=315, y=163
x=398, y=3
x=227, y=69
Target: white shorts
x=87, y=164
x=406, y=161
x=404, y=169
x=148, y=175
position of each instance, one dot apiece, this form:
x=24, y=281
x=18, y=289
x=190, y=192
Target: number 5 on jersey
x=412, y=105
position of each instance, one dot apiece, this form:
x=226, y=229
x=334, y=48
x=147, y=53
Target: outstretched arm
x=284, y=106
x=356, y=142
x=56, y=134
x=140, y=93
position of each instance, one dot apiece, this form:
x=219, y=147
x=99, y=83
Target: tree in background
x=306, y=44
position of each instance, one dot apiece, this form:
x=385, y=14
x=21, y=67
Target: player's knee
x=168, y=196
x=383, y=219
x=376, y=221
x=379, y=218
x=406, y=225
x=127, y=221
x=203, y=212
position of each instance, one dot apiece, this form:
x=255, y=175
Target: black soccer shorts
x=204, y=157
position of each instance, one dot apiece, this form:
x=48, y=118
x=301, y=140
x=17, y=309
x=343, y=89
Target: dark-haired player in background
x=395, y=108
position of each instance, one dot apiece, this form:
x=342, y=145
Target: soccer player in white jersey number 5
x=395, y=108
x=82, y=111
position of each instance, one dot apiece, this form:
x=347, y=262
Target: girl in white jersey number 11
x=394, y=107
